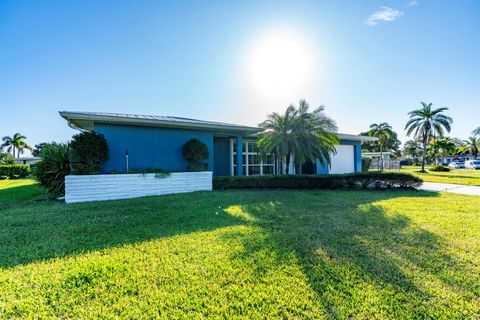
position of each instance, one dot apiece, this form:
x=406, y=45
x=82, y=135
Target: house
x=157, y=141
x=27, y=160
x=376, y=155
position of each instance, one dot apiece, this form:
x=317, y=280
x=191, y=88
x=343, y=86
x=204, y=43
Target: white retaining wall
x=125, y=186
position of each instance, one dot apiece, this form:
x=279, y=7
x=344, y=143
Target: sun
x=279, y=65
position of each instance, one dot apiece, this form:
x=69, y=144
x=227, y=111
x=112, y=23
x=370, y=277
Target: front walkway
x=453, y=188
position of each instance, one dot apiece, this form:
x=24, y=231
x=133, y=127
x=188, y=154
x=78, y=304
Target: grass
x=241, y=254
x=455, y=176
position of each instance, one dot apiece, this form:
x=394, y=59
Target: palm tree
x=383, y=132
x=298, y=135
x=412, y=149
x=427, y=123
x=473, y=145
x=442, y=147
x=476, y=132
x=15, y=143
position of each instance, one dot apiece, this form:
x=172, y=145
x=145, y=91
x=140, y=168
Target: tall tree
x=442, y=147
x=427, y=123
x=476, y=132
x=383, y=132
x=16, y=143
x=391, y=145
x=413, y=150
x=473, y=146
x=298, y=135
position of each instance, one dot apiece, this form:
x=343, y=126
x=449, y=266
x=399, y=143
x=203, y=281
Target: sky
x=237, y=61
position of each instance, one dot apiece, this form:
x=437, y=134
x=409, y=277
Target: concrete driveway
x=453, y=188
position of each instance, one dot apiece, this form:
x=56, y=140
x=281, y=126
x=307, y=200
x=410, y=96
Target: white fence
x=125, y=186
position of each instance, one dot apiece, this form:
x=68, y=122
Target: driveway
x=453, y=188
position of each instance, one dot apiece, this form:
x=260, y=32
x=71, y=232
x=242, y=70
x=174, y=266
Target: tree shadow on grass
x=356, y=255
x=360, y=258
x=34, y=231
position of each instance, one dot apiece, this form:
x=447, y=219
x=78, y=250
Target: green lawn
x=241, y=254
x=455, y=176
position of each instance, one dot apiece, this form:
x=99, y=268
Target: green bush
x=14, y=170
x=195, y=151
x=366, y=163
x=6, y=158
x=53, y=166
x=88, y=151
x=334, y=181
x=439, y=169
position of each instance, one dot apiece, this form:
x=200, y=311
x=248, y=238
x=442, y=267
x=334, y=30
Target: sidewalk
x=453, y=188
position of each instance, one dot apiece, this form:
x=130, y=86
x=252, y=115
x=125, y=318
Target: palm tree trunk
x=14, y=152
x=284, y=165
x=381, y=157
x=424, y=153
x=290, y=164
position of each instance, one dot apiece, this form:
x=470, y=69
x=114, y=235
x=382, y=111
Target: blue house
x=157, y=141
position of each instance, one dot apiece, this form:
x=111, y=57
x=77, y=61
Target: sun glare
x=279, y=65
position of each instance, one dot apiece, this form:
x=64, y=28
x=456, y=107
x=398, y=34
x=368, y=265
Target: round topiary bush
x=53, y=167
x=195, y=151
x=88, y=151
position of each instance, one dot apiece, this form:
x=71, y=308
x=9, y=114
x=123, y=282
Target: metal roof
x=83, y=120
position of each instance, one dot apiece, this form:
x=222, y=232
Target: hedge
x=14, y=170
x=334, y=181
x=439, y=169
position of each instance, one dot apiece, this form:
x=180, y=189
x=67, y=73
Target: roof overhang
x=353, y=137
x=86, y=120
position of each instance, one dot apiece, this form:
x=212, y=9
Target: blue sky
x=367, y=61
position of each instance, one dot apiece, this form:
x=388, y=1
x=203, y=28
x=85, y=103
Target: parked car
x=472, y=164
x=456, y=165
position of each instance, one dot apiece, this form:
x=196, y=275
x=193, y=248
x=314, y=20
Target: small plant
x=366, y=163
x=53, y=167
x=88, y=151
x=159, y=173
x=439, y=169
x=195, y=151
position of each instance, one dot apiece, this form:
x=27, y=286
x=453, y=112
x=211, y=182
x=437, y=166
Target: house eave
x=85, y=121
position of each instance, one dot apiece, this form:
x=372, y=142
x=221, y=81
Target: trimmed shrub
x=53, y=167
x=334, y=181
x=439, y=169
x=195, y=151
x=88, y=151
x=14, y=170
x=366, y=163
x=6, y=158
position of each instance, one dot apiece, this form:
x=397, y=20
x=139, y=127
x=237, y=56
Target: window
x=252, y=164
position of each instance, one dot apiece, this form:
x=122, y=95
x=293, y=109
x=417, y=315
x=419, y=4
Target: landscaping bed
x=331, y=181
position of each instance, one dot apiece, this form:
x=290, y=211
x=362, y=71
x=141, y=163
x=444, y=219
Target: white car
x=472, y=164
x=456, y=165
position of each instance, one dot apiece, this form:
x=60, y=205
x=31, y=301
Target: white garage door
x=344, y=160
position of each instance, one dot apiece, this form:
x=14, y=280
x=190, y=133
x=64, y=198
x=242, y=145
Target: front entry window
x=252, y=164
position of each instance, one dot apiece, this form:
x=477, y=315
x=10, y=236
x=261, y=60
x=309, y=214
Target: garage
x=344, y=160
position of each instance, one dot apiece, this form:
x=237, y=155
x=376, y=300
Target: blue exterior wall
x=221, y=157
x=357, y=149
x=150, y=147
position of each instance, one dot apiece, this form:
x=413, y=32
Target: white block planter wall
x=125, y=186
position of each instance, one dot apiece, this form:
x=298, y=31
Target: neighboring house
x=157, y=141
x=27, y=160
x=462, y=157
x=376, y=155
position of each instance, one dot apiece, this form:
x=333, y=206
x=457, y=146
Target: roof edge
x=130, y=119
